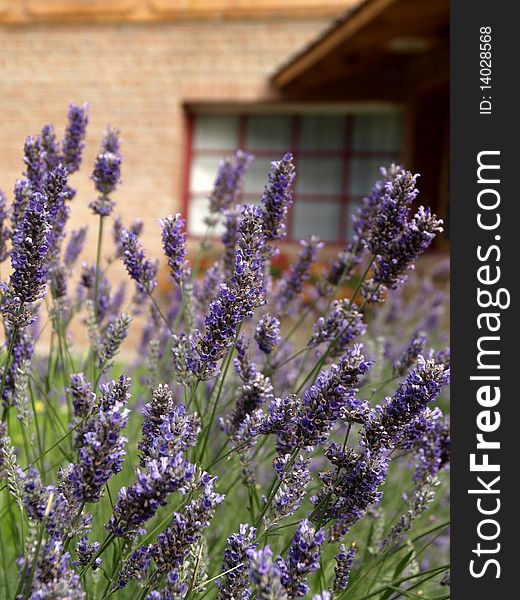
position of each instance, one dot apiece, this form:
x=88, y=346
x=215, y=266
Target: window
x=337, y=158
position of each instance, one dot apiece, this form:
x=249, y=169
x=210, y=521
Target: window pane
x=321, y=176
x=319, y=132
x=269, y=133
x=256, y=178
x=364, y=172
x=216, y=133
x=203, y=173
x=316, y=217
x=377, y=132
x=198, y=211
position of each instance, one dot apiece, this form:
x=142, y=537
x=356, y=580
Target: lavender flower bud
x=9, y=468
x=235, y=301
x=181, y=347
x=74, y=246
x=173, y=545
x=234, y=584
x=115, y=335
x=50, y=147
x=73, y=143
x=135, y=567
x=228, y=183
x=323, y=402
x=421, y=386
x=34, y=163
x=295, y=477
x=266, y=574
x=83, y=399
x=167, y=428
x=344, y=560
x=277, y=197
x=343, y=325
x=107, y=172
x=420, y=500
x=398, y=255
x=22, y=195
x=267, y=333
x=256, y=390
x=410, y=353
x=86, y=552
x=30, y=251
x=52, y=577
x=140, y=269
x=139, y=502
x=350, y=491
x=174, y=244
x=303, y=558
x=102, y=447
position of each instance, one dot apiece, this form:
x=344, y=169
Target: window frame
x=295, y=113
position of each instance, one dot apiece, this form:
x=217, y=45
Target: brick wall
x=136, y=77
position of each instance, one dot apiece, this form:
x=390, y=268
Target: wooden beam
x=357, y=21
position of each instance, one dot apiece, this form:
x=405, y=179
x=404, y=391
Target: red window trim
x=347, y=154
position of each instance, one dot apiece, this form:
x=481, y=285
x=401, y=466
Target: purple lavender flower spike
x=86, y=551
x=398, y=256
x=428, y=436
x=168, y=428
x=292, y=286
x=277, y=197
x=22, y=195
x=140, y=269
x=52, y=577
x=234, y=584
x=174, y=245
x=323, y=402
x=349, y=490
x=173, y=544
x=74, y=247
x=266, y=574
x=30, y=251
x=342, y=326
x=344, y=560
x=73, y=142
x=101, y=454
x=267, y=333
x=57, y=192
x=135, y=567
x=23, y=350
x=303, y=558
x=50, y=147
x=230, y=239
x=107, y=173
x=140, y=501
x=228, y=183
x=34, y=163
x=174, y=589
x=410, y=353
x=290, y=494
x=235, y=300
x=421, y=386
x=5, y=232
x=255, y=391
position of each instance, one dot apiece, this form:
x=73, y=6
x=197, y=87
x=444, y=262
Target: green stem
x=222, y=378
x=98, y=264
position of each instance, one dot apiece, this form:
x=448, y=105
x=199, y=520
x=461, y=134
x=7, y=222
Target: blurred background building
x=346, y=85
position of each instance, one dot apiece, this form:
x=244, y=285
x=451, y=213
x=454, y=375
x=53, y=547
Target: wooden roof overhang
x=381, y=49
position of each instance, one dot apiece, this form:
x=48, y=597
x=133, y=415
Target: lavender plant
x=307, y=470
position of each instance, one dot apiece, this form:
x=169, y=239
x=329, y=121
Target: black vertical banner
x=485, y=234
